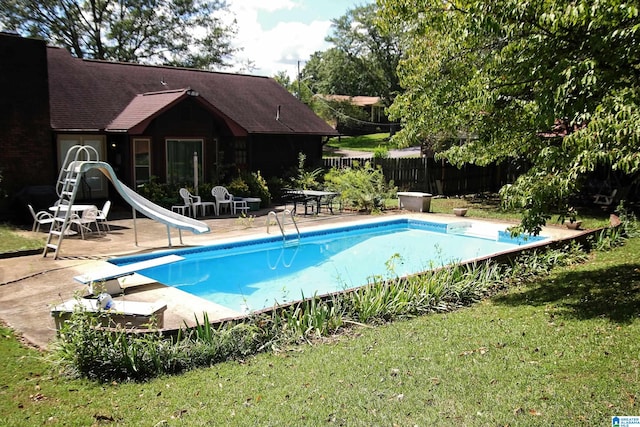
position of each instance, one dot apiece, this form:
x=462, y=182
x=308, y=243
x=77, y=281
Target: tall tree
x=362, y=61
x=172, y=32
x=554, y=83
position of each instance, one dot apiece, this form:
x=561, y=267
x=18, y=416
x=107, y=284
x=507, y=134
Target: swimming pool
x=259, y=273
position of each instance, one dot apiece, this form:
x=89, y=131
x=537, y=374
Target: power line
x=340, y=114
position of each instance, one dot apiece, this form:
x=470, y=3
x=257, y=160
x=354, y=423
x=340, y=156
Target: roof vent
x=278, y=113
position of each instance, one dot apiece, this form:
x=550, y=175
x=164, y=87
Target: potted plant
x=460, y=211
x=571, y=221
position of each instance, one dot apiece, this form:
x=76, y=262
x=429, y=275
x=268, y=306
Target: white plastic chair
x=222, y=198
x=40, y=218
x=192, y=201
x=102, y=215
x=89, y=216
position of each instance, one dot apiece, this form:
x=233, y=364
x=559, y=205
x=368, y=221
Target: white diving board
x=111, y=274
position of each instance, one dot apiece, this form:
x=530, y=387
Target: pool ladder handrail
x=281, y=224
x=285, y=264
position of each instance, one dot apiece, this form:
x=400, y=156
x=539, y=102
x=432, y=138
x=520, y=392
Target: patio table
x=314, y=195
x=75, y=209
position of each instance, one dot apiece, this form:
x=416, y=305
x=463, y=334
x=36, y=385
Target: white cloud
x=279, y=48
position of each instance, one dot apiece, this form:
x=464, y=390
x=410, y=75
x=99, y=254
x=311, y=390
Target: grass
x=11, y=240
x=488, y=207
x=562, y=350
x=361, y=143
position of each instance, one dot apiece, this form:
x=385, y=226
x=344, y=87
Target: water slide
x=142, y=205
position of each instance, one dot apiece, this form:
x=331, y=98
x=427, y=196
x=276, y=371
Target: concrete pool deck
x=31, y=285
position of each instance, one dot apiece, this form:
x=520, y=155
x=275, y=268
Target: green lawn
x=561, y=351
x=361, y=143
x=11, y=241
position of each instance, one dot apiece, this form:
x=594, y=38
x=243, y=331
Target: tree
x=362, y=61
x=171, y=32
x=554, y=84
x=333, y=72
x=285, y=81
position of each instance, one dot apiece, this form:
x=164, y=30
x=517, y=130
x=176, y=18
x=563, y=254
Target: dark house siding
x=276, y=155
x=27, y=156
x=24, y=113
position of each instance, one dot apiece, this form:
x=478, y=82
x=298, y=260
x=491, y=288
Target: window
x=94, y=184
x=180, y=160
x=141, y=161
x=241, y=153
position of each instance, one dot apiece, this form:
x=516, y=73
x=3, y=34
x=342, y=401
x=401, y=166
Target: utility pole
x=299, y=94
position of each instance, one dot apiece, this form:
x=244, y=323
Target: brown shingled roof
x=143, y=108
x=95, y=95
x=136, y=116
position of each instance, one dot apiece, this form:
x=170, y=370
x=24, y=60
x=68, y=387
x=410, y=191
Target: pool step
x=467, y=228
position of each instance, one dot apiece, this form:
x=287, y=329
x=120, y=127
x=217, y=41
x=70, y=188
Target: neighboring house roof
x=92, y=95
x=361, y=101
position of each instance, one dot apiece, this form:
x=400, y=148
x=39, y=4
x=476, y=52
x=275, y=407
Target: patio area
x=31, y=285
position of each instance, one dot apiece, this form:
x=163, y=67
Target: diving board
x=108, y=276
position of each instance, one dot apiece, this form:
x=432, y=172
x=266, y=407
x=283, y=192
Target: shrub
x=306, y=179
x=381, y=152
x=165, y=195
x=276, y=185
x=238, y=187
x=361, y=187
x=251, y=184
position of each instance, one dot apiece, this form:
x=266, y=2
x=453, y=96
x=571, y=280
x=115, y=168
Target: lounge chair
x=40, y=218
x=605, y=199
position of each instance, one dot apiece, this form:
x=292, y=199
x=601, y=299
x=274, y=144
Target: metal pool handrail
x=281, y=224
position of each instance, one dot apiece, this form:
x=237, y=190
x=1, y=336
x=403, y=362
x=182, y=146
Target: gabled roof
x=95, y=95
x=145, y=107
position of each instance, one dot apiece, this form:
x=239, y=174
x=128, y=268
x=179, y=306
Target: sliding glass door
x=180, y=160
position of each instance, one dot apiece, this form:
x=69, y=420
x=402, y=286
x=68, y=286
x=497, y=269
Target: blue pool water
x=259, y=273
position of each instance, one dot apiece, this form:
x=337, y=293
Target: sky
x=276, y=34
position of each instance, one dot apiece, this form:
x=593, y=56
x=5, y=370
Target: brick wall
x=27, y=152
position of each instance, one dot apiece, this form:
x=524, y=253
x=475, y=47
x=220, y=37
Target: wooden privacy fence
x=431, y=176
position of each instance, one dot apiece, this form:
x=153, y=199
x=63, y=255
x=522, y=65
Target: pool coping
x=218, y=314
x=30, y=287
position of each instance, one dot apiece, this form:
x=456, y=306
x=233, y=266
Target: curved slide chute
x=143, y=205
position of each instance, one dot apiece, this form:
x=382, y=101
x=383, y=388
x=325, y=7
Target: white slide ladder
x=67, y=189
x=77, y=162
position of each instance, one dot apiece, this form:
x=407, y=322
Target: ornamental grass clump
x=85, y=348
x=312, y=317
x=437, y=290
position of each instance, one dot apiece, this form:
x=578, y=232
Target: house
x=144, y=120
x=371, y=120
